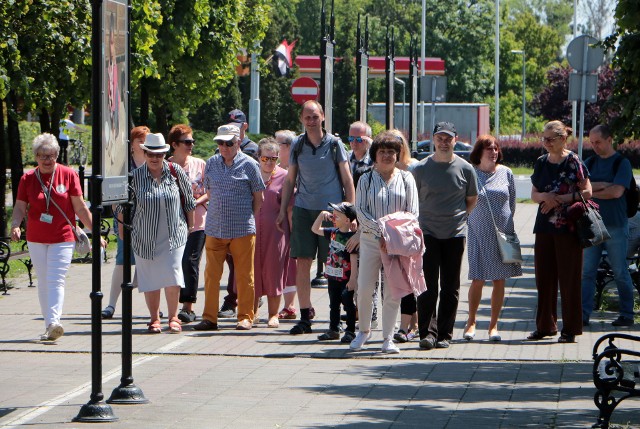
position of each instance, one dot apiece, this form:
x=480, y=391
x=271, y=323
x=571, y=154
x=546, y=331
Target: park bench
x=7, y=255
x=616, y=371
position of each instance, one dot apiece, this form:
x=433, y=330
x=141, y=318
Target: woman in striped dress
x=161, y=223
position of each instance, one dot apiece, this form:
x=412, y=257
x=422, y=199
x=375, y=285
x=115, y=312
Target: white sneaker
x=359, y=341
x=54, y=331
x=389, y=347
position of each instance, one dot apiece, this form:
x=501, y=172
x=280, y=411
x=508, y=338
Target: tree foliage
x=626, y=95
x=552, y=102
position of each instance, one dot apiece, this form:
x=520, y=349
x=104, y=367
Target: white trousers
x=369, y=269
x=51, y=262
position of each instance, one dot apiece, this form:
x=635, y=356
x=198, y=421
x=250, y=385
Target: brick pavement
x=267, y=378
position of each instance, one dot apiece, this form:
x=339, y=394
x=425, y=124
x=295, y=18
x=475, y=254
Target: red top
x=65, y=185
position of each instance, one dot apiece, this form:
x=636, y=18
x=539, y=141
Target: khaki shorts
x=304, y=242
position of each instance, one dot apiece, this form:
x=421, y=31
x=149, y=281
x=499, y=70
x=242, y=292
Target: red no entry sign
x=304, y=89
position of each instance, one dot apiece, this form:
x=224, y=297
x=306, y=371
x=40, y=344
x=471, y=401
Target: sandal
x=107, y=313
x=566, y=338
x=537, y=335
x=302, y=327
x=154, y=327
x=273, y=322
x=174, y=326
x=288, y=314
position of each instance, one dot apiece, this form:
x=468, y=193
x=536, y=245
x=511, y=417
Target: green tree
x=627, y=88
x=196, y=52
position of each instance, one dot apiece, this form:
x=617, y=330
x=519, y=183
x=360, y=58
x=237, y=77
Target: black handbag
x=589, y=226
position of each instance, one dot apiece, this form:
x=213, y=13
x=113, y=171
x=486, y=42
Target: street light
x=524, y=88
x=404, y=106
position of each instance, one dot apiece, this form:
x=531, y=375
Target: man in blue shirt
x=235, y=186
x=609, y=184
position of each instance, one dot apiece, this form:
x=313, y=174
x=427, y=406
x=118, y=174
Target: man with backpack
x=319, y=171
x=613, y=186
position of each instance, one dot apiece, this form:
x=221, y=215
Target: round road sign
x=576, y=50
x=304, y=89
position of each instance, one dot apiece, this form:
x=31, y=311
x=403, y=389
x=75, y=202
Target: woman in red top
x=50, y=237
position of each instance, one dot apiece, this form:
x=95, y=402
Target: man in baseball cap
x=239, y=119
x=447, y=192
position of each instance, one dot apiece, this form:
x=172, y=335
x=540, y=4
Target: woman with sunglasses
x=136, y=159
x=52, y=194
x=160, y=226
x=272, y=245
x=182, y=142
x=558, y=177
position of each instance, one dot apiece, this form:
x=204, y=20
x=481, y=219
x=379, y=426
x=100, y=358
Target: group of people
x=392, y=230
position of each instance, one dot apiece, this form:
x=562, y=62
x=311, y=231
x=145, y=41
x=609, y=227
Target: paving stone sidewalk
x=265, y=378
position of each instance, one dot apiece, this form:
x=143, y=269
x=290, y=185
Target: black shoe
x=622, y=321
x=226, y=313
x=302, y=327
x=442, y=344
x=427, y=343
x=206, y=325
x=400, y=336
x=348, y=337
x=187, y=316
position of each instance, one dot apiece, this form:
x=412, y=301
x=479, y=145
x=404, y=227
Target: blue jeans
x=616, y=248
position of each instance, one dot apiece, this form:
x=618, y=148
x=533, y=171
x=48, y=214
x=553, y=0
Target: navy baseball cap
x=346, y=209
x=237, y=116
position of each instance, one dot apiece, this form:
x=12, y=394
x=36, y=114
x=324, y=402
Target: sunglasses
x=155, y=155
x=268, y=158
x=356, y=139
x=188, y=142
x=549, y=139
x=228, y=143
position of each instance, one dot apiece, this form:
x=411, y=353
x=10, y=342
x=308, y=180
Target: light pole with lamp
x=404, y=105
x=524, y=89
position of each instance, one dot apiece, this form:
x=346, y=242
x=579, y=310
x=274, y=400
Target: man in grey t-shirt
x=447, y=192
x=319, y=170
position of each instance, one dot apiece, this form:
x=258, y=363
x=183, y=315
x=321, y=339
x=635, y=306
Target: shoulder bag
x=509, y=244
x=589, y=226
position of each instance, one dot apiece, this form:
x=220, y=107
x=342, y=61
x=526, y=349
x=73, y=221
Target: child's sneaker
x=329, y=335
x=348, y=337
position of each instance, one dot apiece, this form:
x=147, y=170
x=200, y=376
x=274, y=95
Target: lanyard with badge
x=46, y=217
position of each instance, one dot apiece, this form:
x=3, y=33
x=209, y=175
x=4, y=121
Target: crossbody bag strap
x=48, y=195
x=489, y=205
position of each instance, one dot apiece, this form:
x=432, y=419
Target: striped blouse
x=375, y=198
x=148, y=193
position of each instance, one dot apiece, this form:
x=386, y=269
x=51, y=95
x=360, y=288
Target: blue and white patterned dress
x=485, y=262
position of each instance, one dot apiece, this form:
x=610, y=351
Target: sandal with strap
x=108, y=311
x=302, y=327
x=174, y=326
x=287, y=314
x=538, y=335
x=566, y=338
x=154, y=327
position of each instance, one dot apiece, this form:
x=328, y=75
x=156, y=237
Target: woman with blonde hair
x=558, y=178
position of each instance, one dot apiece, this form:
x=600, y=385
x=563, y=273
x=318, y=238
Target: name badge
x=46, y=218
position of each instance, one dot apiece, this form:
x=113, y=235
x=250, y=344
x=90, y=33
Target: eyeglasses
x=155, y=155
x=268, y=158
x=549, y=139
x=188, y=142
x=227, y=143
x=356, y=139
x=46, y=157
